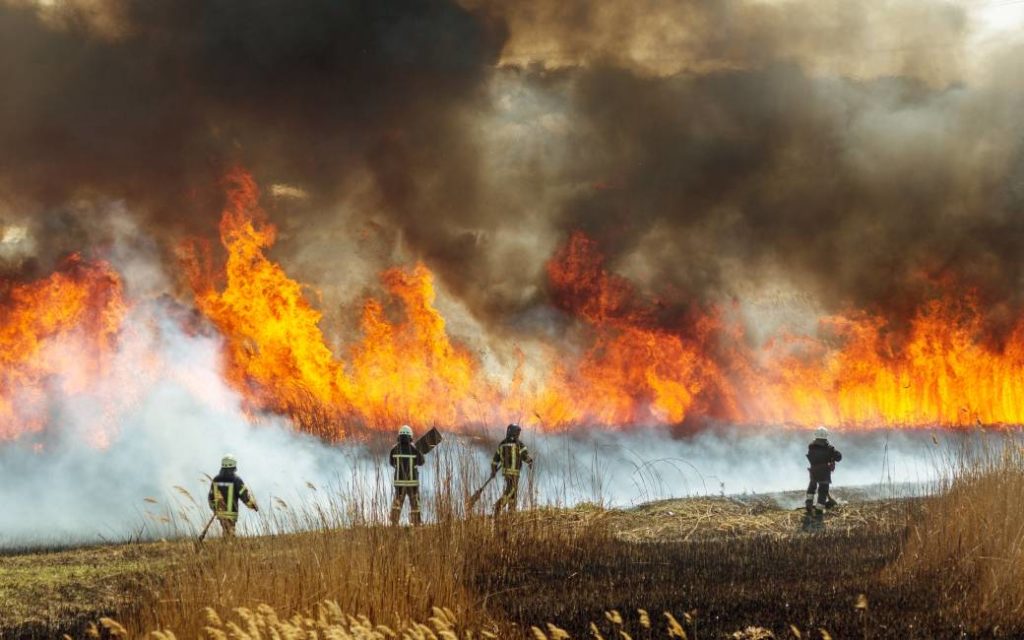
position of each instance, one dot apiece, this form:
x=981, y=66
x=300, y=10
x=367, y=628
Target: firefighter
x=823, y=458
x=226, y=490
x=509, y=458
x=406, y=459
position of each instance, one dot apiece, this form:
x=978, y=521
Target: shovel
x=206, y=528
x=473, y=499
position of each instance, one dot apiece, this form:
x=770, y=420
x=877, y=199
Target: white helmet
x=228, y=461
x=821, y=432
x=406, y=430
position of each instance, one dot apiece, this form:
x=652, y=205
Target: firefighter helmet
x=513, y=431
x=821, y=432
x=228, y=461
x=406, y=430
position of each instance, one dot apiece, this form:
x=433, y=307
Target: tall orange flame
x=621, y=360
x=412, y=372
x=56, y=335
x=625, y=367
x=633, y=371
x=275, y=350
x=277, y=354
x=943, y=373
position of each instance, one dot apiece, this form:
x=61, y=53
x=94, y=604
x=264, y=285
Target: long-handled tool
x=207, y=527
x=428, y=441
x=473, y=499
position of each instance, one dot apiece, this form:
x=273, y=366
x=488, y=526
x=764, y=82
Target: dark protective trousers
x=822, y=490
x=509, y=496
x=401, y=493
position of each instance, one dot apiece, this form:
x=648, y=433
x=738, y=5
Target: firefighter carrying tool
x=406, y=459
x=226, y=490
x=509, y=458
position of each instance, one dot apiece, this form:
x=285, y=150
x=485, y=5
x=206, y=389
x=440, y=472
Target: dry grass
x=738, y=568
x=337, y=548
x=970, y=539
x=328, y=620
x=732, y=517
x=386, y=573
x=568, y=567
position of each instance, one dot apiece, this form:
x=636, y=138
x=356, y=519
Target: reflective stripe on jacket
x=226, y=490
x=510, y=456
x=406, y=459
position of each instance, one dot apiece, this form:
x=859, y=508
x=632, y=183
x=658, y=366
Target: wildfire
x=942, y=373
x=633, y=371
x=627, y=366
x=275, y=352
x=57, y=335
x=622, y=360
x=411, y=371
x=406, y=371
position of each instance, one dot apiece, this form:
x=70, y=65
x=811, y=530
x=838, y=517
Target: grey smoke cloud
x=842, y=148
x=711, y=148
x=162, y=416
x=152, y=101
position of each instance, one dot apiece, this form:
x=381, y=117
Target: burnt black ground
x=749, y=565
x=811, y=581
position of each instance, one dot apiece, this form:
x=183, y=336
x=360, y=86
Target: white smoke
x=184, y=419
x=180, y=422
x=116, y=462
x=626, y=468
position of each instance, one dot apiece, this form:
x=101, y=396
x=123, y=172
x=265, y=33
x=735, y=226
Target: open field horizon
x=665, y=242
x=81, y=585
x=286, y=474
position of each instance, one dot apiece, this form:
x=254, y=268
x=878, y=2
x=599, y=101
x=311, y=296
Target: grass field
x=44, y=594
x=726, y=563
x=947, y=565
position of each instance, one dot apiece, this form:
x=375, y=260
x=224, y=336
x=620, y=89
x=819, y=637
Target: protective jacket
x=226, y=490
x=509, y=457
x=406, y=459
x=823, y=458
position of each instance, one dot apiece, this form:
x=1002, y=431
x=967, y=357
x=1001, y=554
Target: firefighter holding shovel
x=406, y=458
x=226, y=490
x=509, y=458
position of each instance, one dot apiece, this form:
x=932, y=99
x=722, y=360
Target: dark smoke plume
x=848, y=149
x=151, y=102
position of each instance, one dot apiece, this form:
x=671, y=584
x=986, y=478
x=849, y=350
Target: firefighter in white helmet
x=406, y=459
x=226, y=491
x=823, y=458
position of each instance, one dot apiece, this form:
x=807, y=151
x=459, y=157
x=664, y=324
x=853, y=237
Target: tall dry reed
x=970, y=537
x=337, y=547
